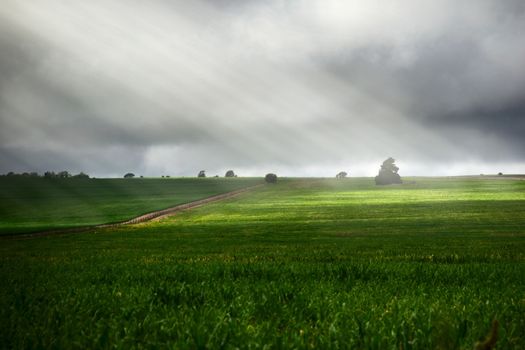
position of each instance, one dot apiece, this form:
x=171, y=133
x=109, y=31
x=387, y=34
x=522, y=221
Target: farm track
x=154, y=215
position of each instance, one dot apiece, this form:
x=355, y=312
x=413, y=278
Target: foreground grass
x=307, y=264
x=36, y=204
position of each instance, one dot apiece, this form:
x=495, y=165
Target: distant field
x=34, y=204
x=305, y=263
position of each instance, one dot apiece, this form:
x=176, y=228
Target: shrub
x=270, y=178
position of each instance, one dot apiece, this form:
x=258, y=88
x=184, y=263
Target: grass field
x=35, y=204
x=305, y=263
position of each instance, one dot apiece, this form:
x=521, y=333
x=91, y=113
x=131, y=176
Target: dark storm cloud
x=307, y=87
x=73, y=159
x=505, y=122
x=440, y=91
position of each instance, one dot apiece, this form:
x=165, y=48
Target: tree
x=388, y=173
x=81, y=175
x=202, y=173
x=64, y=174
x=341, y=175
x=270, y=178
x=129, y=176
x=229, y=173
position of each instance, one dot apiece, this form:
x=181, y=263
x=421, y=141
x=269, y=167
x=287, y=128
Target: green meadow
x=304, y=263
x=36, y=204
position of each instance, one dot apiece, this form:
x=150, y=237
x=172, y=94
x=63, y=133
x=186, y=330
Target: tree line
x=48, y=174
x=388, y=174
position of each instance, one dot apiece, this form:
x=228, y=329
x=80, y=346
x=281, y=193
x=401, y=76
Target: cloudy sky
x=303, y=87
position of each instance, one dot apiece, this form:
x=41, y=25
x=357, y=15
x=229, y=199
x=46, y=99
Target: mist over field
x=302, y=88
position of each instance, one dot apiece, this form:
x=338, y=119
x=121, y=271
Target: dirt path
x=154, y=215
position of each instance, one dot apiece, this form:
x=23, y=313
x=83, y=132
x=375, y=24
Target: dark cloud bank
x=301, y=88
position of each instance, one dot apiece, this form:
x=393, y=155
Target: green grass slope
x=299, y=264
x=33, y=204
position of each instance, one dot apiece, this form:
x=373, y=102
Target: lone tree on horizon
x=341, y=175
x=388, y=173
x=270, y=178
x=230, y=173
x=129, y=176
x=202, y=173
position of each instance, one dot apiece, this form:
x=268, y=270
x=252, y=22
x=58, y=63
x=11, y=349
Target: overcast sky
x=304, y=87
